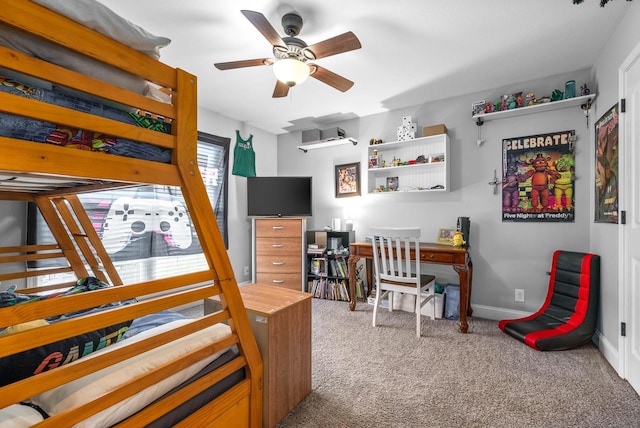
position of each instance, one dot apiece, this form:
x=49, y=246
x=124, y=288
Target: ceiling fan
x=292, y=62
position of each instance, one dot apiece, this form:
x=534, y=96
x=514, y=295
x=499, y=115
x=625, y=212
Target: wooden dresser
x=278, y=252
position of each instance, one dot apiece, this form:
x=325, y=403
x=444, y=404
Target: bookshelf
x=327, y=264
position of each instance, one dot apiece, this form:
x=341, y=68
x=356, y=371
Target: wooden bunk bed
x=52, y=176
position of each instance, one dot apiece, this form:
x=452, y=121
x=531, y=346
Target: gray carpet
x=385, y=376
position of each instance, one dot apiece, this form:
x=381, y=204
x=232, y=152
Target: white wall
x=264, y=145
x=505, y=255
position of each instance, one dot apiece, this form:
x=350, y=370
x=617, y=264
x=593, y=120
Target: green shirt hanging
x=244, y=158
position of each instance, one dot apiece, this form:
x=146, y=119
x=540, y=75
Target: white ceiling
x=413, y=51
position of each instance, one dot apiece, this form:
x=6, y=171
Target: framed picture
x=392, y=184
x=445, y=236
x=348, y=180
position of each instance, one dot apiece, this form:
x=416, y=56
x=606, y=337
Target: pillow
x=18, y=416
x=100, y=18
x=93, y=386
x=55, y=54
x=37, y=360
x=23, y=327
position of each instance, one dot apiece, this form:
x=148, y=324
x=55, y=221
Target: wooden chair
x=392, y=247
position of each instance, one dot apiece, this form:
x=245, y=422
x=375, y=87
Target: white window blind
x=147, y=230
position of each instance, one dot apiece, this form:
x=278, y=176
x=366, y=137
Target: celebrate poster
x=538, y=178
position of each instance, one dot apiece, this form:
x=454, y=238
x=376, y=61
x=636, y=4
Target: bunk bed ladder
x=72, y=229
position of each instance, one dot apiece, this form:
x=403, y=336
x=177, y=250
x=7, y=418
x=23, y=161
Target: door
x=630, y=232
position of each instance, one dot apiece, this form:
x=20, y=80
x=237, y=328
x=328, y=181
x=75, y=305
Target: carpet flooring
x=385, y=376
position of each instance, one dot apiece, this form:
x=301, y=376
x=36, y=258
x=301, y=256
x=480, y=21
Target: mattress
x=25, y=128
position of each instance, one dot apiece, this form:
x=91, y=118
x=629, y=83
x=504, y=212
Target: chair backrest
x=391, y=249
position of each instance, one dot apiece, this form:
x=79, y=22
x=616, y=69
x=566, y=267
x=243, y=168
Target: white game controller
x=129, y=218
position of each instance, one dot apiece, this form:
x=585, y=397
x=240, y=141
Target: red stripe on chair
x=552, y=281
x=579, y=314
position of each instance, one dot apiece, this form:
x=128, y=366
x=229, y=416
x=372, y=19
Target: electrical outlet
x=519, y=295
x=246, y=271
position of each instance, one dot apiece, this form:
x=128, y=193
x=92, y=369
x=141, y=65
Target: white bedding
x=96, y=16
x=91, y=387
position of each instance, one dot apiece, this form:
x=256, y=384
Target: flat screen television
x=279, y=197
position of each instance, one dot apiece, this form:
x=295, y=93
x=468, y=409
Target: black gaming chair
x=567, y=319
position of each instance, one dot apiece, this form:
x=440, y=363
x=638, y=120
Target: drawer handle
x=278, y=227
x=277, y=245
x=432, y=256
x=278, y=263
x=278, y=281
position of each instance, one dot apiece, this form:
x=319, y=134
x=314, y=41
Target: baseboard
x=608, y=351
x=497, y=314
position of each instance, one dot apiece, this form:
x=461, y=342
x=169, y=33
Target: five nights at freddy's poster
x=538, y=178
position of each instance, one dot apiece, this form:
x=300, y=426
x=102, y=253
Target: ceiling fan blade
x=331, y=78
x=343, y=43
x=245, y=63
x=266, y=29
x=281, y=90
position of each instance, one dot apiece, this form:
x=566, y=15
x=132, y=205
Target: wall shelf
x=536, y=108
x=410, y=178
x=328, y=143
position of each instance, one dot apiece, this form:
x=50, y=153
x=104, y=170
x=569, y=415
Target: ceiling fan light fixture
x=291, y=71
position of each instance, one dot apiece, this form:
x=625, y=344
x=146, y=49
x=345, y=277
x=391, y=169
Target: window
x=147, y=230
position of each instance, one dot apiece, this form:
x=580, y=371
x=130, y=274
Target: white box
x=406, y=120
x=407, y=303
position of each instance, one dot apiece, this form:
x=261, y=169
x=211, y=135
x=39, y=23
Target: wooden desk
x=281, y=322
x=457, y=257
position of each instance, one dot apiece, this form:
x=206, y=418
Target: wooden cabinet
x=430, y=174
x=278, y=252
x=281, y=323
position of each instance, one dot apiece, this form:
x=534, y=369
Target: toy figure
x=488, y=108
x=531, y=99
x=584, y=90
x=504, y=102
x=540, y=175
x=457, y=239
x=564, y=185
x=510, y=189
x=557, y=95
x=511, y=103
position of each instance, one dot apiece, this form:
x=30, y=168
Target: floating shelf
x=536, y=108
x=328, y=143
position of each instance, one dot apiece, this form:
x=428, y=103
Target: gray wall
x=13, y=222
x=506, y=255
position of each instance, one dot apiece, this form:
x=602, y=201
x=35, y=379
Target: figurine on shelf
x=488, y=108
x=504, y=102
x=531, y=99
x=584, y=90
x=557, y=95
x=519, y=99
x=511, y=103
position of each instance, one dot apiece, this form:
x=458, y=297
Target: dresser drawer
x=280, y=264
x=278, y=227
x=278, y=246
x=287, y=280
